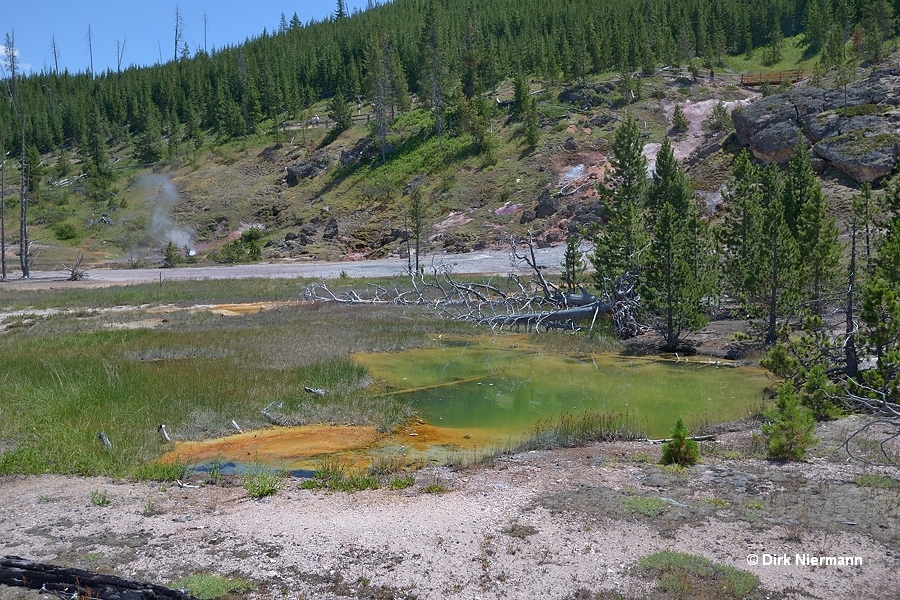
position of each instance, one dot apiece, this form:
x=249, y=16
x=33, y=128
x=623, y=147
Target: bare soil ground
x=551, y=524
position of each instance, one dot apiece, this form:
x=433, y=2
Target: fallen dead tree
x=514, y=303
x=529, y=303
x=77, y=583
x=877, y=441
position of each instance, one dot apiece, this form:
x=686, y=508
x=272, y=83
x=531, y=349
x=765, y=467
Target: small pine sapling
x=789, y=432
x=680, y=450
x=679, y=121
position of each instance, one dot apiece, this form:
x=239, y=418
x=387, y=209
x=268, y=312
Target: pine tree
x=780, y=268
x=521, y=95
x=532, y=125
x=417, y=220
x=618, y=244
x=817, y=237
x=340, y=12
x=382, y=94
x=741, y=232
x=880, y=312
x=672, y=287
x=800, y=184
x=340, y=112
x=680, y=122
x=471, y=60
x=856, y=225
x=433, y=68
x=759, y=252
x=789, y=433
x=573, y=263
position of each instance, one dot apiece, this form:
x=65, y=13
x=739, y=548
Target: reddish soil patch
x=296, y=446
x=279, y=445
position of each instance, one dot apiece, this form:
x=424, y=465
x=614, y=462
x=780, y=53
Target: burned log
x=77, y=583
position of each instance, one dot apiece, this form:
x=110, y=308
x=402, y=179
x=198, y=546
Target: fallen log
x=77, y=583
x=696, y=438
x=544, y=318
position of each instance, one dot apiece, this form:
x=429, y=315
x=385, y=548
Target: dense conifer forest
x=474, y=45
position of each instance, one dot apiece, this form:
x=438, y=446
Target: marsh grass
x=260, y=481
x=331, y=474
x=569, y=431
x=62, y=386
x=564, y=431
x=158, y=471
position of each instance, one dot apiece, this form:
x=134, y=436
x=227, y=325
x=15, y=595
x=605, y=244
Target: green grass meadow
x=66, y=378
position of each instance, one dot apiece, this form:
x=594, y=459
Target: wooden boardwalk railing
x=771, y=78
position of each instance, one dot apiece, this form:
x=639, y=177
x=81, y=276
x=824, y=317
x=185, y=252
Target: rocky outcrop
x=856, y=130
x=587, y=95
x=362, y=149
x=307, y=169
x=331, y=230
x=547, y=205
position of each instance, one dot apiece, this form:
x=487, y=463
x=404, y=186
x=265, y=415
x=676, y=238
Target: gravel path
x=487, y=262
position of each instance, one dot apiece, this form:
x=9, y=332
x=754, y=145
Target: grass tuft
x=331, y=474
x=208, y=586
x=261, y=481
x=649, y=506
x=689, y=576
x=874, y=480
x=402, y=482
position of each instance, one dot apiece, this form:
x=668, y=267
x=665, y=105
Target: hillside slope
x=308, y=199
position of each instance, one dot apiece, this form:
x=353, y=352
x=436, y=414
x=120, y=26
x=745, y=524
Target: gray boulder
x=856, y=130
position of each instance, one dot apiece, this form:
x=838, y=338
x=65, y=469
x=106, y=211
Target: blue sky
x=145, y=28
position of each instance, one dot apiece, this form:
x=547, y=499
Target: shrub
x=66, y=231
x=171, y=257
x=720, y=119
x=680, y=450
x=874, y=480
x=242, y=250
x=789, y=432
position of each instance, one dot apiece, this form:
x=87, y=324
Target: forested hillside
x=422, y=80
x=278, y=74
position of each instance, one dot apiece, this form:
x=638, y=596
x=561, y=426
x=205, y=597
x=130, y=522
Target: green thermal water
x=503, y=383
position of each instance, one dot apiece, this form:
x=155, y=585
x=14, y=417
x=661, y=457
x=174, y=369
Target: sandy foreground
x=539, y=524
